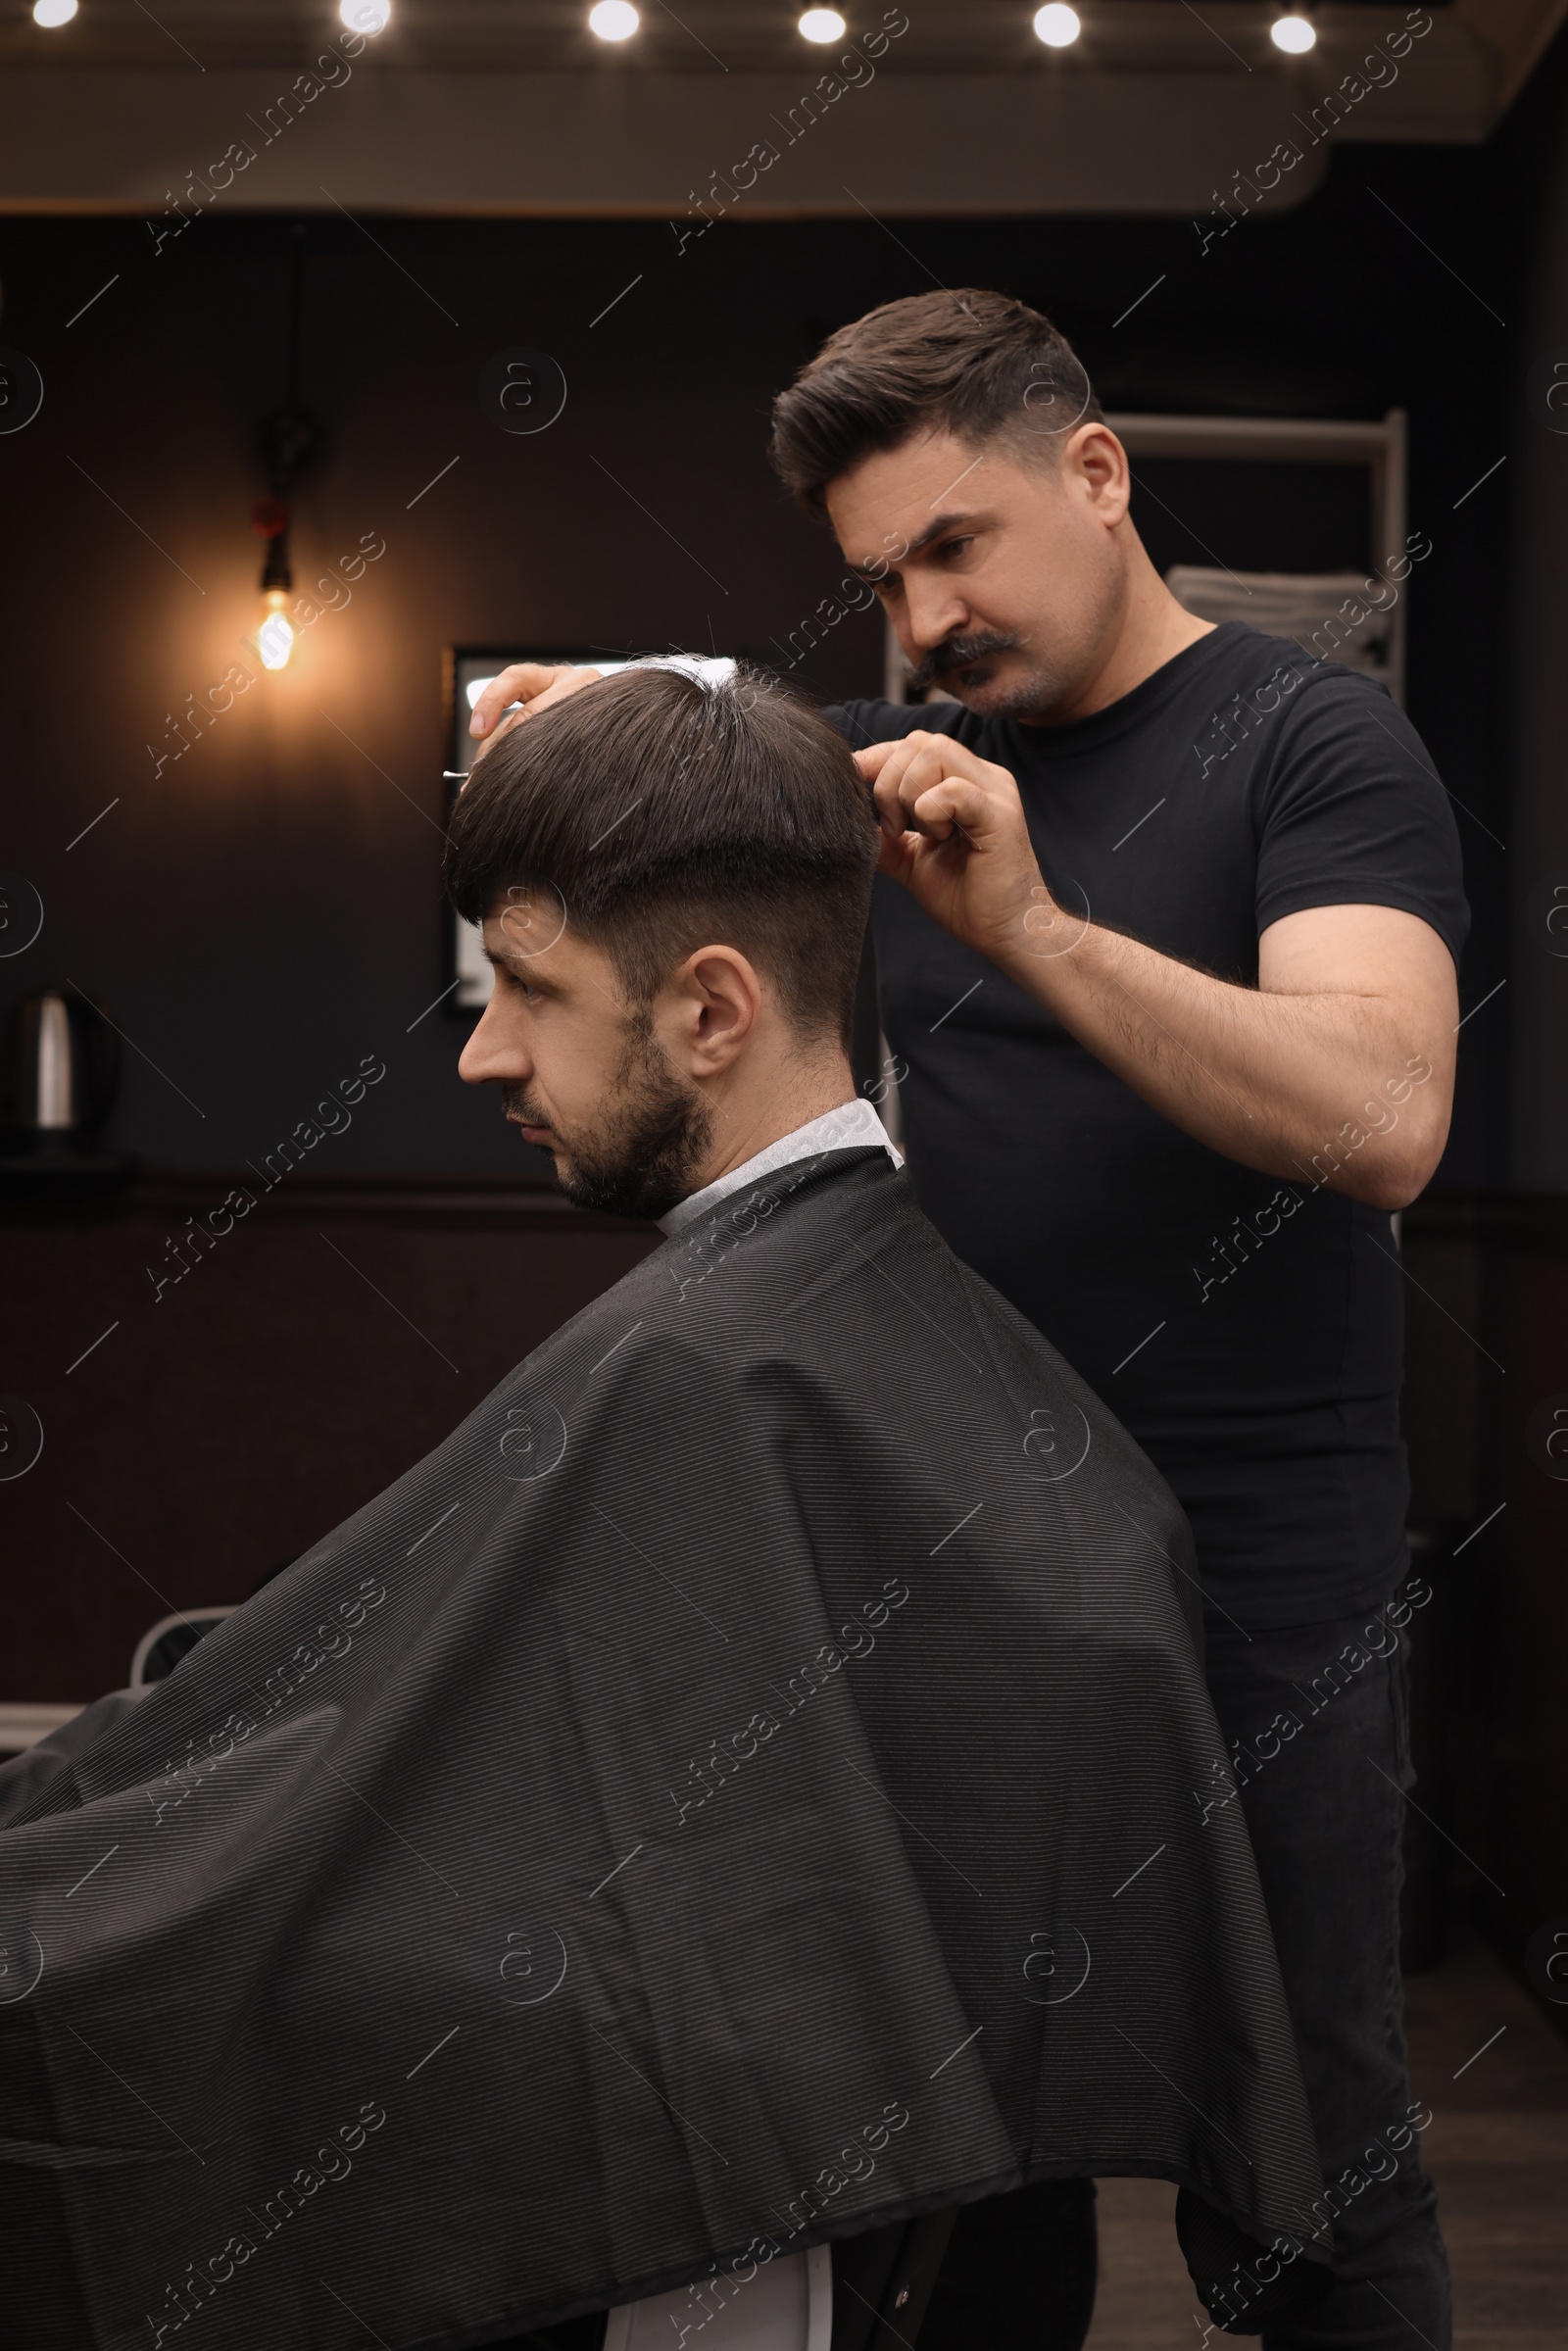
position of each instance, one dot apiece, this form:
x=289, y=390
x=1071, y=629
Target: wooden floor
x=1497, y=2148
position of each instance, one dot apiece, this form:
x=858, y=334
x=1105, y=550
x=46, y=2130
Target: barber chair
x=883, y=2281
x=864, y=2293
x=162, y=1646
x=786, y=2306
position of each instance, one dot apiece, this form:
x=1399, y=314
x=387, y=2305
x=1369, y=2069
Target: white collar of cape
x=852, y=1122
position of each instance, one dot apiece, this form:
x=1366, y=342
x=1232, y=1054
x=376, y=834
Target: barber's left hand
x=954, y=834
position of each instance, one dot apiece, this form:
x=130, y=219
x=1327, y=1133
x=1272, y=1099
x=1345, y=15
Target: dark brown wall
x=266, y=911
x=1526, y=1660
x=308, y=1358
x=1524, y=1251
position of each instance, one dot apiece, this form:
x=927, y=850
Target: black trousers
x=1324, y=1746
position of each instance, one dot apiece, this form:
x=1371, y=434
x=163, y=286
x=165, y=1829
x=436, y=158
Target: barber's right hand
x=535, y=685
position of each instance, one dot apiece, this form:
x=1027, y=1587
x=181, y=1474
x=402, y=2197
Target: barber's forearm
x=1324, y=1088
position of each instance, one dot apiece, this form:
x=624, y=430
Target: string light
x=1294, y=34
x=1057, y=27
x=53, y=11
x=365, y=16
x=613, y=19
x=822, y=25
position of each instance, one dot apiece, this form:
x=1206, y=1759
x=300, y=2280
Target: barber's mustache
x=958, y=652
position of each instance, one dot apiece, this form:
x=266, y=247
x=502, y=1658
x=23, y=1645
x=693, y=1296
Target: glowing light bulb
x=1294, y=34
x=274, y=639
x=365, y=16
x=613, y=19
x=1057, y=27
x=822, y=25
x=53, y=11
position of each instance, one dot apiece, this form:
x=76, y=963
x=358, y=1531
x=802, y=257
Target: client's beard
x=646, y=1148
x=1035, y=692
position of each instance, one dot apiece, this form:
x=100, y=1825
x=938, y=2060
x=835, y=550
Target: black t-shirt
x=1246, y=1329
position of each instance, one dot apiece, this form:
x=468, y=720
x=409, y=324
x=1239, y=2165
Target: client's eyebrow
x=878, y=566
x=518, y=967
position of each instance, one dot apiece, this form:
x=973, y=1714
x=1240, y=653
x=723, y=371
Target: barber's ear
x=1103, y=465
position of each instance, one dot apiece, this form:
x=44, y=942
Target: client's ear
x=714, y=1000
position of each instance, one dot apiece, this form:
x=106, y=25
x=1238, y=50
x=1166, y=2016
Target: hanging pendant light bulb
x=275, y=637
x=288, y=441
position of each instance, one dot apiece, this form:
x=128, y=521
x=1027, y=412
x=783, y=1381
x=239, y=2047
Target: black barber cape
x=736, y=1790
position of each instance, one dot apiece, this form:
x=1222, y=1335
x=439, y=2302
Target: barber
x=1166, y=936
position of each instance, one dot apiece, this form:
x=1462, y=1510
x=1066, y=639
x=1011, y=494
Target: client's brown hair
x=670, y=813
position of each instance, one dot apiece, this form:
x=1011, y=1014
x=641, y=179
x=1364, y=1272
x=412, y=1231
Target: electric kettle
x=63, y=1068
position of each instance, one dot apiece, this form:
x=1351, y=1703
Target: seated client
x=735, y=1798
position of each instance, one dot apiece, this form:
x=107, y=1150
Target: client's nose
x=492, y=1056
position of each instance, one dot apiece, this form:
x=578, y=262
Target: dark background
x=267, y=911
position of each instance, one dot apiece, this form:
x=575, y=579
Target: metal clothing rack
x=1302, y=441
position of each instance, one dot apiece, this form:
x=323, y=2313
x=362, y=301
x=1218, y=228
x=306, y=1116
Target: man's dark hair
x=974, y=363
x=669, y=815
